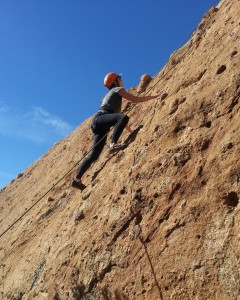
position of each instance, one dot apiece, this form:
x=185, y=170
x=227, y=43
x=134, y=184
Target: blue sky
x=54, y=55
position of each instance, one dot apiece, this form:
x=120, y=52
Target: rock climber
x=107, y=116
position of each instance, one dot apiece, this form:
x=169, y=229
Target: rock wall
x=158, y=220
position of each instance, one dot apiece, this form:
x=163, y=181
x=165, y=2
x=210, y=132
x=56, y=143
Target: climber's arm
x=136, y=99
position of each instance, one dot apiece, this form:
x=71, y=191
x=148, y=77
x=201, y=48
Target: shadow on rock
x=131, y=138
x=107, y=295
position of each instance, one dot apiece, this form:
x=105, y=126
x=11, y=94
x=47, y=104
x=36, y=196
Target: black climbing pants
x=101, y=125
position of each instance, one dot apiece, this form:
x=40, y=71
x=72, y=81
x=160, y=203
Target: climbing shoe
x=78, y=185
x=116, y=147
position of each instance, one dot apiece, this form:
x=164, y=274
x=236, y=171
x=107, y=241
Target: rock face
x=145, y=79
x=158, y=220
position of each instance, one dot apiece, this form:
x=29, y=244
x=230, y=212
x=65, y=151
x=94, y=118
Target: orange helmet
x=110, y=78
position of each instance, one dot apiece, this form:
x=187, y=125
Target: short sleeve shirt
x=112, y=102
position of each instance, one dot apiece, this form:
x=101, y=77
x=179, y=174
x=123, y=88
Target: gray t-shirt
x=112, y=102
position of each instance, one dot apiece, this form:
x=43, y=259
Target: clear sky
x=54, y=55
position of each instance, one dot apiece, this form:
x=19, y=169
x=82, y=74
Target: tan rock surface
x=145, y=79
x=159, y=220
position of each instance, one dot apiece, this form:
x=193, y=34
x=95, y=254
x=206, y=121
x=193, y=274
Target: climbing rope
x=78, y=162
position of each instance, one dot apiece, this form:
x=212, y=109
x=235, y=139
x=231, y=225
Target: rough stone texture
x=145, y=79
x=158, y=220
